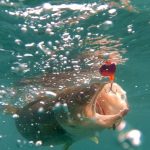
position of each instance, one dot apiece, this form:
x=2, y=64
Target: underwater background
x=40, y=36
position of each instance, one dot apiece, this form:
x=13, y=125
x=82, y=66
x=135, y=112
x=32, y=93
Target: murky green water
x=45, y=36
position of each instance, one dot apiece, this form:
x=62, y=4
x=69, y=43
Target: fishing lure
x=108, y=69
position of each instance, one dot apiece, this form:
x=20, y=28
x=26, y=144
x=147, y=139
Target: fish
x=75, y=113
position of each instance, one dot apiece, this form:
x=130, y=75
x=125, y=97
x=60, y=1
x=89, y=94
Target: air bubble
x=1, y=136
x=112, y=12
x=51, y=146
x=18, y=41
x=31, y=143
x=29, y=45
x=107, y=24
x=38, y=143
x=41, y=109
x=24, y=29
x=15, y=116
x=19, y=143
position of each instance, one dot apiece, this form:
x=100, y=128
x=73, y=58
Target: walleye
x=75, y=113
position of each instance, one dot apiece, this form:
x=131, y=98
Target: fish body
x=74, y=114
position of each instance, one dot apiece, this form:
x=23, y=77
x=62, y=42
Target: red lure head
x=108, y=70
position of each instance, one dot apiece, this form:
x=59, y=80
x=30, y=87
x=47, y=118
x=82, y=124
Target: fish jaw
x=109, y=121
x=112, y=101
x=110, y=106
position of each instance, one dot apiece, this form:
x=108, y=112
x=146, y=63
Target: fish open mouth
x=106, y=120
x=99, y=109
x=109, y=106
x=110, y=102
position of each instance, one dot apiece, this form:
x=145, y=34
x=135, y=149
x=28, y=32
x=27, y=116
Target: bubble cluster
x=130, y=29
x=58, y=46
x=51, y=34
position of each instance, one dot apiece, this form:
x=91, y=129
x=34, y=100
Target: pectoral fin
x=95, y=139
x=67, y=145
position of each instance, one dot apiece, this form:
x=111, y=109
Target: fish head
x=111, y=101
x=110, y=105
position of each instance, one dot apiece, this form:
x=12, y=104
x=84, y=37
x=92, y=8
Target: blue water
x=29, y=37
